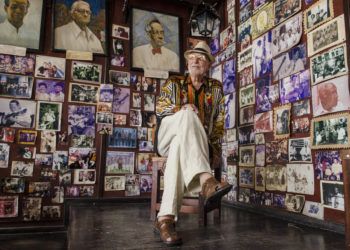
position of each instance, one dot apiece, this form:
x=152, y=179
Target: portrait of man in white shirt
x=20, y=23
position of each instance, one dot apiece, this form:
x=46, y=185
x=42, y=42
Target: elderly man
x=154, y=55
x=14, y=31
x=190, y=111
x=76, y=35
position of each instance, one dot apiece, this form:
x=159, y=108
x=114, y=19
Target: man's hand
x=215, y=161
x=191, y=107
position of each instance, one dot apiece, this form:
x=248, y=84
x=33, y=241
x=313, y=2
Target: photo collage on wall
x=293, y=105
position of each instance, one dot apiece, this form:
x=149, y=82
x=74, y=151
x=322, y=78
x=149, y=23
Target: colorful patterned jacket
x=178, y=91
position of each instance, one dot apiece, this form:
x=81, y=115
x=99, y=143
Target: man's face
x=82, y=14
x=14, y=107
x=58, y=89
x=42, y=89
x=16, y=11
x=197, y=64
x=329, y=96
x=157, y=34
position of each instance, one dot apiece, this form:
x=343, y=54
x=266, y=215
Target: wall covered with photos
x=284, y=149
x=55, y=112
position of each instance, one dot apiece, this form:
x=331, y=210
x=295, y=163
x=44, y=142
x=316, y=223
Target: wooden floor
x=127, y=226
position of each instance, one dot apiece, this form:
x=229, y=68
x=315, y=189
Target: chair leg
x=217, y=213
x=202, y=215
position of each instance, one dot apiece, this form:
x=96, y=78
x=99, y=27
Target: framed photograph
x=51, y=212
x=142, y=134
x=121, y=100
x=246, y=115
x=132, y=190
x=43, y=160
x=12, y=185
x=148, y=28
x=27, y=137
x=9, y=206
x=118, y=60
x=146, y=146
x=21, y=168
x=16, y=86
x=81, y=120
x=71, y=18
x=247, y=156
x=245, y=58
x=317, y=14
x=276, y=176
x=244, y=195
x=274, y=94
x=246, y=77
x=289, y=62
x=121, y=32
x=262, y=99
x=114, y=183
x=82, y=158
x=31, y=208
x=229, y=76
x=135, y=117
x=244, y=34
x=119, y=77
x=49, y=116
x=245, y=13
x=246, y=135
x=119, y=120
x=28, y=25
x=4, y=155
x=83, y=93
x=120, y=162
x=48, y=141
x=328, y=166
x=262, y=20
x=104, y=118
x=327, y=35
x=295, y=203
x=282, y=121
x=260, y=155
x=284, y=9
x=145, y=183
x=299, y=150
x=149, y=119
x=260, y=179
x=26, y=152
x=82, y=141
x=262, y=55
x=295, y=87
x=301, y=108
x=259, y=139
x=277, y=151
x=106, y=93
x=263, y=122
x=287, y=34
x=144, y=163
x=123, y=138
x=50, y=67
x=227, y=37
x=84, y=176
x=216, y=72
x=60, y=160
x=246, y=177
x=39, y=189
x=49, y=90
x=331, y=96
x=23, y=65
x=329, y=64
x=330, y=131
x=301, y=125
x=149, y=102
x=332, y=194
x=313, y=209
x=105, y=107
x=247, y=96
x=86, y=72
x=231, y=16
x=17, y=113
x=230, y=110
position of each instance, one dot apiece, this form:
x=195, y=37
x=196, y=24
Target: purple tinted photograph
x=121, y=100
x=228, y=78
x=262, y=94
x=295, y=87
x=81, y=120
x=49, y=90
x=214, y=45
x=262, y=56
x=123, y=138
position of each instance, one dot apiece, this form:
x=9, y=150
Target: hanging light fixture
x=204, y=18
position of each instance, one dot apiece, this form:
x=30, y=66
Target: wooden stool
x=189, y=204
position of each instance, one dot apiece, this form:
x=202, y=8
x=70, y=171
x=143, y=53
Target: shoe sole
x=218, y=195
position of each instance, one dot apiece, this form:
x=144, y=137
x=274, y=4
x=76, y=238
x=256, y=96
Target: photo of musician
x=81, y=120
x=17, y=113
x=49, y=116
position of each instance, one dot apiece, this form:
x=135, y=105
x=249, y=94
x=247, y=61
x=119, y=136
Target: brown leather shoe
x=166, y=230
x=213, y=191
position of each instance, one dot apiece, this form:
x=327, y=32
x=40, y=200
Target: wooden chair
x=192, y=205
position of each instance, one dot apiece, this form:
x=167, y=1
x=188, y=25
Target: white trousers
x=182, y=138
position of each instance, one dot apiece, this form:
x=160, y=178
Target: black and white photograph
x=31, y=208
x=262, y=99
x=260, y=155
x=49, y=116
x=263, y=122
x=247, y=156
x=259, y=139
x=247, y=96
x=83, y=93
x=50, y=67
x=4, y=155
x=260, y=179
x=284, y=9
x=330, y=131
x=262, y=20
x=317, y=14
x=81, y=120
x=245, y=58
x=300, y=178
x=84, y=176
x=328, y=166
x=301, y=125
x=229, y=77
x=51, y=212
x=289, y=62
x=259, y=3
x=132, y=190
x=47, y=141
x=282, y=121
x=149, y=119
x=60, y=160
x=123, y=138
x=149, y=102
x=114, y=183
x=332, y=194
x=244, y=34
x=246, y=77
x=246, y=135
x=246, y=115
x=121, y=32
x=295, y=87
x=277, y=151
x=119, y=51
x=243, y=3
x=16, y=86
x=276, y=176
x=262, y=55
x=121, y=100
x=135, y=117
x=245, y=13
x=49, y=90
x=106, y=93
x=331, y=96
x=327, y=35
x=287, y=35
x=86, y=72
x=82, y=141
x=104, y=118
x=301, y=108
x=230, y=111
x=313, y=209
x=227, y=37
x=246, y=177
x=119, y=77
x=299, y=150
x=17, y=113
x=22, y=169
x=118, y=162
x=294, y=203
x=145, y=183
x=329, y=64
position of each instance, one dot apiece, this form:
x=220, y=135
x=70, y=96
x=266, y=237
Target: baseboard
x=289, y=216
